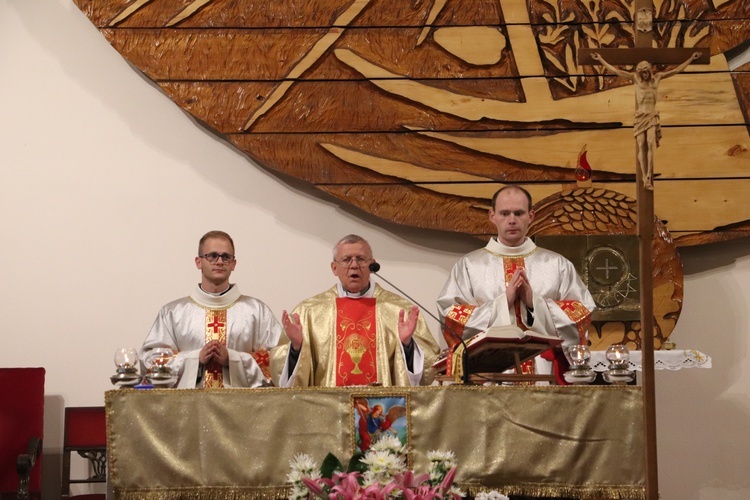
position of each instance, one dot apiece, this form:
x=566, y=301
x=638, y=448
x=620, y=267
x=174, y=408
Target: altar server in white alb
x=512, y=281
x=221, y=337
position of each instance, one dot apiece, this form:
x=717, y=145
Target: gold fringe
x=212, y=493
x=622, y=492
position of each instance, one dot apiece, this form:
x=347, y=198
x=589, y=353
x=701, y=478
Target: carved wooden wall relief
x=418, y=110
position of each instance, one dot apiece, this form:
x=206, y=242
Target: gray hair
x=348, y=240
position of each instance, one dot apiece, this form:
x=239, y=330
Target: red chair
x=21, y=432
x=85, y=433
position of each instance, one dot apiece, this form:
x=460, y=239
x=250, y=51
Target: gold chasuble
x=356, y=346
x=353, y=342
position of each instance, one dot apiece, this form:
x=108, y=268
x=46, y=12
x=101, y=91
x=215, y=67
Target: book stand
x=492, y=360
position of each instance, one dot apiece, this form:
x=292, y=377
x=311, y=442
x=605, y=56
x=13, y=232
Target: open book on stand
x=495, y=350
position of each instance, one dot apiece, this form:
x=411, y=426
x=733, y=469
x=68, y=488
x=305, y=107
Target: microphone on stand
x=374, y=267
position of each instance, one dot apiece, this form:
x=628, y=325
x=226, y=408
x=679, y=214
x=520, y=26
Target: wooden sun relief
x=417, y=111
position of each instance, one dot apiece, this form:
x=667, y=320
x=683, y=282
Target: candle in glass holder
x=126, y=360
x=618, y=355
x=578, y=355
x=160, y=357
x=126, y=357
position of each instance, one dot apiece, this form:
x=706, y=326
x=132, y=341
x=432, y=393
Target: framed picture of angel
x=377, y=416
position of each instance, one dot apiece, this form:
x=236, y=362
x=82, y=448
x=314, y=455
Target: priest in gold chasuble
x=355, y=333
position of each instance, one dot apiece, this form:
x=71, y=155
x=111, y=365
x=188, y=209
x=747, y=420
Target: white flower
x=299, y=493
x=303, y=463
x=302, y=466
x=456, y=491
x=492, y=495
x=368, y=479
x=389, y=443
x=444, y=459
x=383, y=465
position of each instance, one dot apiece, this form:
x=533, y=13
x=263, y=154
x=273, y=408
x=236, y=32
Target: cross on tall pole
x=646, y=129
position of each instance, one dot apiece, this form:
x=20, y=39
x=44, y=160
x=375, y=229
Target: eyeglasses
x=358, y=261
x=213, y=257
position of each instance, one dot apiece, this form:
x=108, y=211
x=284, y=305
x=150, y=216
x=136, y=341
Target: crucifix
x=646, y=132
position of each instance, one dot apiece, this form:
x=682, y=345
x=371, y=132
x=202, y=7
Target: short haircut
x=510, y=187
x=219, y=235
x=348, y=240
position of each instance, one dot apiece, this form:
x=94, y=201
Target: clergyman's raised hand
x=293, y=329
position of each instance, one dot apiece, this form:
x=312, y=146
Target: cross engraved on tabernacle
x=607, y=268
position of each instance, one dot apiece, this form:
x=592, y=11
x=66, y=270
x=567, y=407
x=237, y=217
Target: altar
x=583, y=442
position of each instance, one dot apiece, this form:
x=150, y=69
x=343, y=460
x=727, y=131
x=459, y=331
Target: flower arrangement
x=379, y=474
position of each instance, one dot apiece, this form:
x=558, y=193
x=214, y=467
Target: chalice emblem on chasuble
x=354, y=345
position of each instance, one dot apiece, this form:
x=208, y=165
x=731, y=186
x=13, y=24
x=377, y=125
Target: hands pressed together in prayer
x=214, y=352
x=519, y=289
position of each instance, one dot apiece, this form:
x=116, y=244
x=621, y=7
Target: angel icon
x=374, y=421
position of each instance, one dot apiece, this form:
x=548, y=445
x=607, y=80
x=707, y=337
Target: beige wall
x=106, y=187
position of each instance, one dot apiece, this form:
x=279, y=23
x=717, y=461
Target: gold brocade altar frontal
x=584, y=442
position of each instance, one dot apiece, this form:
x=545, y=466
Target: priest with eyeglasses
x=220, y=336
x=355, y=333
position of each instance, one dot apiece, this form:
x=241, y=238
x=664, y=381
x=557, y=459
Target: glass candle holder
x=126, y=357
x=580, y=372
x=126, y=360
x=618, y=371
x=578, y=355
x=618, y=355
x=159, y=364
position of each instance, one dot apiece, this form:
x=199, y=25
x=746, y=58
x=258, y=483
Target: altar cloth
x=553, y=441
x=676, y=359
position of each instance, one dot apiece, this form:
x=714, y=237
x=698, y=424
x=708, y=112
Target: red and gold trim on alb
x=216, y=329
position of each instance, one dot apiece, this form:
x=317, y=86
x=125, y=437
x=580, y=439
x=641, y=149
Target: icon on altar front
x=379, y=416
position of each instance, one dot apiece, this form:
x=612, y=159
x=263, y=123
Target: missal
x=496, y=350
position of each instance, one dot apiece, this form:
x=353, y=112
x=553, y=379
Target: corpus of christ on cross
x=647, y=132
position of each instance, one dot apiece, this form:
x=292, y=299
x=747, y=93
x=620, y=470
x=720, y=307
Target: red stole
x=356, y=349
x=510, y=264
x=581, y=316
x=453, y=330
x=216, y=329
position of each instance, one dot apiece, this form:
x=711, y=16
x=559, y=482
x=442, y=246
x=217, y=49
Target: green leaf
x=355, y=465
x=330, y=465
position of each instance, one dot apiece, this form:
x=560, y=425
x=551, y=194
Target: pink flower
x=313, y=486
x=448, y=481
x=345, y=486
x=409, y=480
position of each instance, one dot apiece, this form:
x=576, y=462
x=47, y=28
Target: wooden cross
x=644, y=51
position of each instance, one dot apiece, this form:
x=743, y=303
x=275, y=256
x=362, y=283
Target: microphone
x=374, y=267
